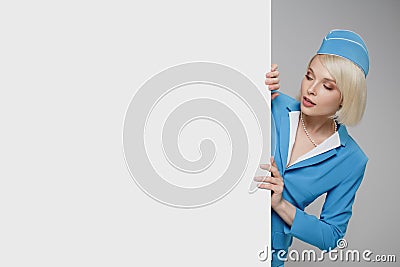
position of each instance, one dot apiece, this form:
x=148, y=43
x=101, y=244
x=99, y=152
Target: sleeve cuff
x=298, y=221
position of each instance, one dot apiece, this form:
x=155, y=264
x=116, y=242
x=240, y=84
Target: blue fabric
x=337, y=172
x=346, y=44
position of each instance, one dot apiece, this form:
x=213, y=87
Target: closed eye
x=308, y=77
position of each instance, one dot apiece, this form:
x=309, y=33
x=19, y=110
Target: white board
x=70, y=72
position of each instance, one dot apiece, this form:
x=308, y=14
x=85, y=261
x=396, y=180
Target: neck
x=318, y=124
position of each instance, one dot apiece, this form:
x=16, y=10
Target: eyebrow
x=329, y=80
x=326, y=79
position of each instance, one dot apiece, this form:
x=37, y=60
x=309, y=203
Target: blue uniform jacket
x=337, y=172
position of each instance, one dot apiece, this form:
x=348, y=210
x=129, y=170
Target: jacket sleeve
x=326, y=231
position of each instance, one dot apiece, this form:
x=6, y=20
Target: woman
x=314, y=153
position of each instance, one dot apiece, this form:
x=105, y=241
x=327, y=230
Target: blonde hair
x=350, y=80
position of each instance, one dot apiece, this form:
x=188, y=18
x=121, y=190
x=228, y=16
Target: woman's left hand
x=274, y=183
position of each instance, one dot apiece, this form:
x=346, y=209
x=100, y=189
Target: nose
x=312, y=90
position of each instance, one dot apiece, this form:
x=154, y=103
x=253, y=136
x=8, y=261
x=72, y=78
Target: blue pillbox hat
x=346, y=44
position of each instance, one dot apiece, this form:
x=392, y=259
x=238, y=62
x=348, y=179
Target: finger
x=274, y=169
x=272, y=74
x=274, y=188
x=261, y=178
x=273, y=87
x=273, y=162
x=265, y=166
x=269, y=168
x=269, y=180
x=274, y=180
x=265, y=186
x=274, y=95
x=274, y=67
x=269, y=81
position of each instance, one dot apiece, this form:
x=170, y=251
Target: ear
x=341, y=99
x=341, y=104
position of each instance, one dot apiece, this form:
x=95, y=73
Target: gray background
x=297, y=31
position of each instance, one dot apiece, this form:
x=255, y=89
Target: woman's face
x=319, y=93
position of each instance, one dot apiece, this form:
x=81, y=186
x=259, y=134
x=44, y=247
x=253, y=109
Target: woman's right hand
x=272, y=80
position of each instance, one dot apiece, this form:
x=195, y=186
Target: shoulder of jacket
x=284, y=100
x=356, y=150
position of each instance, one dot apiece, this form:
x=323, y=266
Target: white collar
x=330, y=143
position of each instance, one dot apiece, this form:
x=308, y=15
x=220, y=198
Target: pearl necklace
x=308, y=134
